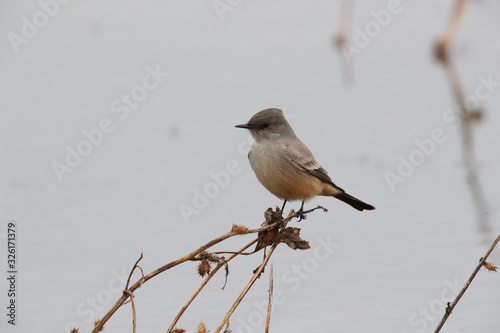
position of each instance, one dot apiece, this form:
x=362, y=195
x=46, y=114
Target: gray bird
x=286, y=167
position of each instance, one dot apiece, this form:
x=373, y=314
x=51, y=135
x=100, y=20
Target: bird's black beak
x=247, y=126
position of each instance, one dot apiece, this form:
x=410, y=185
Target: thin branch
x=247, y=288
x=134, y=319
x=227, y=272
x=291, y=216
x=268, y=319
x=345, y=25
x=343, y=33
x=235, y=252
x=132, y=271
x=127, y=292
x=174, y=263
x=451, y=306
x=204, y=283
x=451, y=29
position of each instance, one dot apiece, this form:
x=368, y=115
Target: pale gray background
x=76, y=235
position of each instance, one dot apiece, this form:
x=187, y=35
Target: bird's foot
x=300, y=214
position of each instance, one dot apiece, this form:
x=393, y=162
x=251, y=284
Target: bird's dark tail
x=356, y=203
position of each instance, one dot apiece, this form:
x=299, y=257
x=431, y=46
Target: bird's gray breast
x=265, y=157
x=276, y=171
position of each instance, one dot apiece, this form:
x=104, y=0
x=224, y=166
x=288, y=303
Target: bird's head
x=268, y=124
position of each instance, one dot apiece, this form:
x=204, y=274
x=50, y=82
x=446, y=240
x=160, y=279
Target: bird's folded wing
x=304, y=159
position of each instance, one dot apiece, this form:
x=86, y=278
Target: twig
x=345, y=25
x=451, y=29
x=469, y=115
x=132, y=271
x=134, y=320
x=268, y=319
x=127, y=292
x=291, y=216
x=451, y=306
x=234, y=252
x=247, y=288
x=203, y=284
x=174, y=263
x=344, y=30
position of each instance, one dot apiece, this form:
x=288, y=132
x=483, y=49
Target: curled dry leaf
x=266, y=238
x=178, y=330
x=291, y=237
x=74, y=330
x=269, y=216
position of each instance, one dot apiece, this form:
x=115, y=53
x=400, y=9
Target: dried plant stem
x=456, y=87
x=456, y=16
x=234, y=252
x=451, y=29
x=270, y=305
x=247, y=288
x=133, y=269
x=345, y=25
x=204, y=283
x=129, y=291
x=451, y=306
x=134, y=320
x=343, y=33
x=174, y=263
x=130, y=294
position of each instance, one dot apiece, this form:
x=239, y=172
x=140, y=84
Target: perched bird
x=286, y=167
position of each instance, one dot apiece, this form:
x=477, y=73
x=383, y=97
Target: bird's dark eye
x=265, y=125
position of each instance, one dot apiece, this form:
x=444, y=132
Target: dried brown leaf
x=269, y=216
x=266, y=238
x=291, y=237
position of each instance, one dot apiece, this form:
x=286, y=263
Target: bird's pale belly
x=283, y=179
